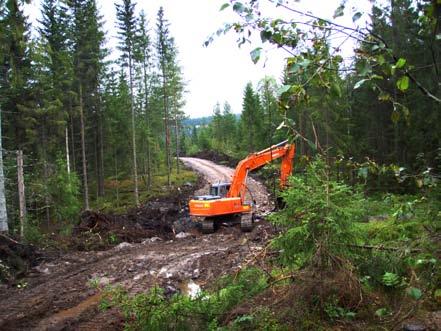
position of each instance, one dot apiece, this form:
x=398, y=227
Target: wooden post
x=21, y=192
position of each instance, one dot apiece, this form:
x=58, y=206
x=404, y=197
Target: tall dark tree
x=164, y=56
x=125, y=15
x=251, y=120
x=143, y=52
x=88, y=41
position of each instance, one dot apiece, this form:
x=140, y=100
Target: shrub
x=318, y=218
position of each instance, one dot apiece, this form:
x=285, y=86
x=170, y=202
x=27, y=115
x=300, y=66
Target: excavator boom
x=256, y=160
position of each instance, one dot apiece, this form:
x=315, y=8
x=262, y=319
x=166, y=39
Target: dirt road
x=62, y=294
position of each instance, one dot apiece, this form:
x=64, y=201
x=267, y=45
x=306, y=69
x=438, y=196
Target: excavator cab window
x=220, y=190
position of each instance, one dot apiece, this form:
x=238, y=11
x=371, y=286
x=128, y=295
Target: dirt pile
x=163, y=218
x=15, y=259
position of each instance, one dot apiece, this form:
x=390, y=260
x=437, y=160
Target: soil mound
x=15, y=259
x=161, y=218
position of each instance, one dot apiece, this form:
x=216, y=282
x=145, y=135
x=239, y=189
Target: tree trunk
x=72, y=141
x=3, y=211
x=147, y=119
x=166, y=127
x=177, y=143
x=45, y=171
x=67, y=150
x=100, y=165
x=132, y=107
x=21, y=192
x=83, y=153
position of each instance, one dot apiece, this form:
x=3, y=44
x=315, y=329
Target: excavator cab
x=220, y=189
x=217, y=191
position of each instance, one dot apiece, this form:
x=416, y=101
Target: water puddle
x=190, y=288
x=64, y=315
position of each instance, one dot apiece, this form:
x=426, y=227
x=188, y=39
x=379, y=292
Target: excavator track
x=207, y=226
x=246, y=222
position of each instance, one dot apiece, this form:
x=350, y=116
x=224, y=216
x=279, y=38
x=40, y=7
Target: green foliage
x=319, y=217
x=64, y=189
x=391, y=280
x=155, y=311
x=32, y=233
x=334, y=311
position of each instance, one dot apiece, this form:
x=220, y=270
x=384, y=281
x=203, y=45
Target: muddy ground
x=61, y=294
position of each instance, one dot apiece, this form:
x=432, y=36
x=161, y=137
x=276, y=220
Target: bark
x=147, y=119
x=101, y=154
x=67, y=150
x=3, y=211
x=177, y=143
x=166, y=127
x=21, y=192
x=83, y=153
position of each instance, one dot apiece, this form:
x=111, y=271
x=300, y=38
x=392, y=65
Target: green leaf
x=339, y=11
x=395, y=116
x=356, y=16
x=365, y=69
x=400, y=63
x=255, y=54
x=363, y=172
x=437, y=295
x=311, y=145
x=384, y=96
x=414, y=293
x=360, y=83
x=403, y=83
x=265, y=35
x=225, y=5
x=391, y=279
x=282, y=89
x=381, y=312
x=238, y=7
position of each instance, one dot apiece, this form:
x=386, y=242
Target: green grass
x=119, y=194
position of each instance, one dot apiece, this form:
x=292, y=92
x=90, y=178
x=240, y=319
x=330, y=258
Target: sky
x=219, y=72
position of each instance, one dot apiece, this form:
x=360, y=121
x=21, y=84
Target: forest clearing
x=248, y=165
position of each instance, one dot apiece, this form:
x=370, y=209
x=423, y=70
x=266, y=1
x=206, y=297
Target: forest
x=87, y=135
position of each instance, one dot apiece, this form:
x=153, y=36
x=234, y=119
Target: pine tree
x=125, y=15
x=3, y=211
x=88, y=55
x=16, y=77
x=164, y=54
x=251, y=119
x=143, y=53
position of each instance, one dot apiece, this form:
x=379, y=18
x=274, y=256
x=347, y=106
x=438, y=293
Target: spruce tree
x=125, y=15
x=163, y=50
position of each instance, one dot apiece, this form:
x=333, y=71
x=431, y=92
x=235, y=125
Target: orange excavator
x=227, y=200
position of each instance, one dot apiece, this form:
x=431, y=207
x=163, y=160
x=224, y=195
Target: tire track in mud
x=59, y=295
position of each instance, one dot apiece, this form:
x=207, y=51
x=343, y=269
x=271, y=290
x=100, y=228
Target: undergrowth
x=155, y=311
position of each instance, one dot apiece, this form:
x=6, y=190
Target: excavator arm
x=256, y=160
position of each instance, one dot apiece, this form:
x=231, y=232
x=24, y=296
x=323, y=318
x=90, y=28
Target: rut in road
x=58, y=294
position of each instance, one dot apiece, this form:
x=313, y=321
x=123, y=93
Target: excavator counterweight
x=228, y=199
